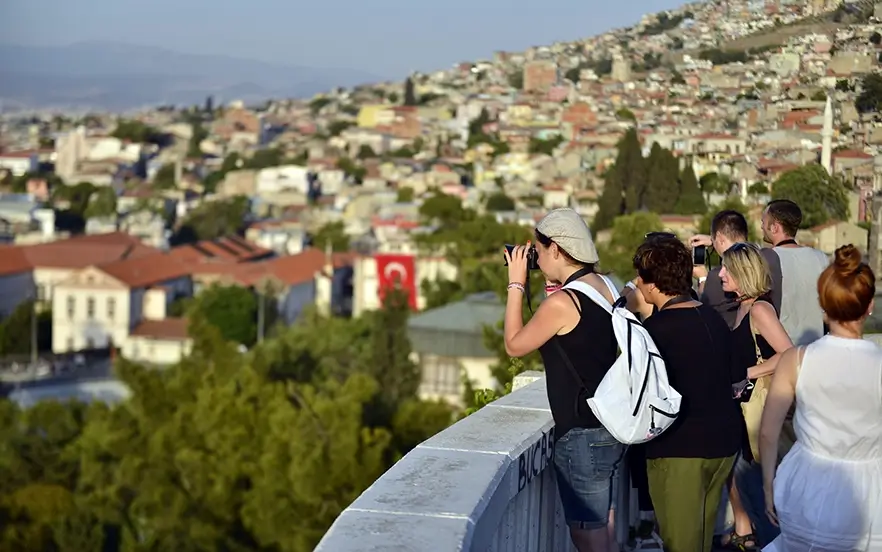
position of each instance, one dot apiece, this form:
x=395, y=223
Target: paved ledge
x=478, y=485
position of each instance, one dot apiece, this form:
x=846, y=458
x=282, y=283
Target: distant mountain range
x=119, y=76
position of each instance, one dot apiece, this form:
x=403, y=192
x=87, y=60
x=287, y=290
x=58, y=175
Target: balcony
x=484, y=483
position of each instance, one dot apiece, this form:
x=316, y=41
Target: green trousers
x=686, y=494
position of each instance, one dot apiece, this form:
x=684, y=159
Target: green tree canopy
x=351, y=169
x=366, y=152
x=251, y=452
x=213, y=219
x=498, y=201
x=628, y=232
x=409, y=94
x=405, y=194
x=546, y=146
x=102, y=203
x=194, y=147
x=164, y=179
x=444, y=210
x=231, y=309
x=77, y=195
x=265, y=158
x=337, y=127
x=714, y=183
x=625, y=114
x=625, y=182
x=135, y=131
x=333, y=233
x=662, y=180
x=821, y=197
x=870, y=98
x=689, y=200
x=16, y=330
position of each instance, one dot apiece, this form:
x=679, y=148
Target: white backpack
x=634, y=401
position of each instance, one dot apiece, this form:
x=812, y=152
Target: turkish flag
x=397, y=271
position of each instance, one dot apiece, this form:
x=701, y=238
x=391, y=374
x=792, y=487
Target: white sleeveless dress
x=828, y=489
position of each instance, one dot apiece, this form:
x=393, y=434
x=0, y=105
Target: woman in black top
x=586, y=455
x=689, y=463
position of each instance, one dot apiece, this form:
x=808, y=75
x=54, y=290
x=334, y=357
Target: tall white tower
x=827, y=137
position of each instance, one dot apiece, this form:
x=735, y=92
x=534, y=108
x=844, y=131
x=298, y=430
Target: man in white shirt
x=801, y=266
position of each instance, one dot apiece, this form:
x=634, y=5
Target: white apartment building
x=103, y=306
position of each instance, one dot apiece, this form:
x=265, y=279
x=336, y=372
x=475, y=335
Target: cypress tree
x=409, y=94
x=611, y=203
x=662, y=180
x=624, y=184
x=632, y=171
x=690, y=202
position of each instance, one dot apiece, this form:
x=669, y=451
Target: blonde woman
x=758, y=338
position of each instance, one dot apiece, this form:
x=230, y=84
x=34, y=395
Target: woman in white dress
x=827, y=493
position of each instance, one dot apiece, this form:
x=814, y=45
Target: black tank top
x=745, y=350
x=745, y=353
x=591, y=347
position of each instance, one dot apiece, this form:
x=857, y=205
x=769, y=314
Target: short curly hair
x=667, y=263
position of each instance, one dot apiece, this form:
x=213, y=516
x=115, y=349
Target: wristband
x=517, y=285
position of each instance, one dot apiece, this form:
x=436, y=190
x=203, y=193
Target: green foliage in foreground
x=224, y=451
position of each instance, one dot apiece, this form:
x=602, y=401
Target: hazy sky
x=387, y=37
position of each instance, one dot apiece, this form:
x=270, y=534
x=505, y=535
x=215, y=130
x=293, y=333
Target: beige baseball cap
x=568, y=230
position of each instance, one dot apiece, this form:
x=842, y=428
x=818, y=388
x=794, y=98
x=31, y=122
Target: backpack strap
x=600, y=300
x=611, y=287
x=593, y=294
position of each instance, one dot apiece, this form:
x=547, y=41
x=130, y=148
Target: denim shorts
x=585, y=464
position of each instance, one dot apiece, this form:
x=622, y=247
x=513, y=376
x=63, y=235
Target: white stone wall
x=484, y=483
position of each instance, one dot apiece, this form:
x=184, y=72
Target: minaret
x=827, y=137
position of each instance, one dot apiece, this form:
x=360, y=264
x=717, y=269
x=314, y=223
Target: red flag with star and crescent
x=397, y=271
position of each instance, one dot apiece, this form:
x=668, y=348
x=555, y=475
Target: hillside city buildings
x=747, y=89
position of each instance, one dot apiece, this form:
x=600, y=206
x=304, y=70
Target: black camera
x=699, y=255
x=532, y=256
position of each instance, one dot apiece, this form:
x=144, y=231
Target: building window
x=111, y=308
x=90, y=343
x=71, y=307
x=90, y=307
x=441, y=376
x=70, y=343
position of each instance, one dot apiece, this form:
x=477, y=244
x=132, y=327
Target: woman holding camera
x=586, y=455
x=758, y=339
x=688, y=464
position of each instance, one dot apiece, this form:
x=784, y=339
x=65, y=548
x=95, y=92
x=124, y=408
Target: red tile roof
x=170, y=329
x=73, y=253
x=227, y=249
x=293, y=270
x=147, y=270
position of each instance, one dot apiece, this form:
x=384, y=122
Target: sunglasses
x=656, y=235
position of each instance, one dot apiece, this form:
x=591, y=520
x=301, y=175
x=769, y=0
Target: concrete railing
x=485, y=483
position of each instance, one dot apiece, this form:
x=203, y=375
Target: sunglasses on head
x=656, y=235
